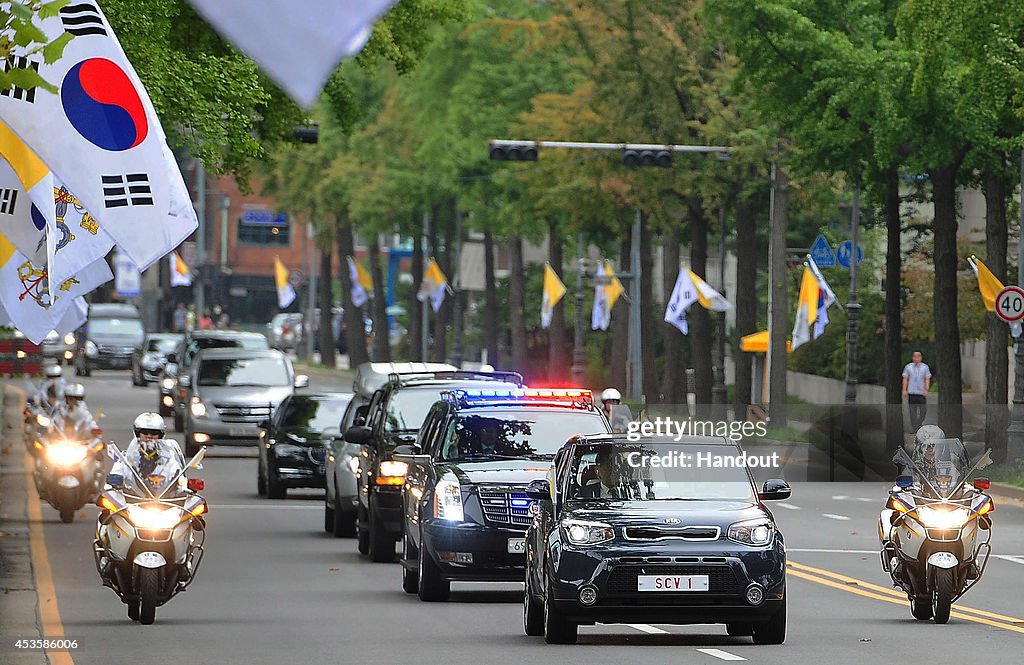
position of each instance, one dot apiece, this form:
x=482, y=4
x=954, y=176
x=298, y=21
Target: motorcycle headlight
x=197, y=408
x=90, y=349
x=581, y=532
x=65, y=454
x=448, y=499
x=154, y=518
x=936, y=518
x=69, y=339
x=752, y=532
x=43, y=420
x=167, y=384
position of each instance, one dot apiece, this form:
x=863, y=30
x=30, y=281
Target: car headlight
x=581, y=532
x=90, y=349
x=69, y=339
x=154, y=518
x=353, y=464
x=448, y=499
x=65, y=454
x=197, y=408
x=935, y=518
x=167, y=384
x=752, y=532
x=288, y=450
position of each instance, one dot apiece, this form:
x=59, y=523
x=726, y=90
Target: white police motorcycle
x=150, y=536
x=68, y=469
x=936, y=529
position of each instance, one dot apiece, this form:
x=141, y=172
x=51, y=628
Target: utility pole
x=425, y=239
x=852, y=307
x=307, y=328
x=777, y=304
x=1015, y=432
x=199, y=279
x=457, y=283
x=578, y=356
x=635, y=356
x=718, y=392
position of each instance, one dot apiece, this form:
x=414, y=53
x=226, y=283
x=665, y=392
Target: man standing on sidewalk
x=917, y=381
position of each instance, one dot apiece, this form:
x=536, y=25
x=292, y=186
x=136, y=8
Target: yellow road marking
x=889, y=595
x=49, y=613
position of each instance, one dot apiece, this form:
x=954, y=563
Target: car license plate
x=672, y=583
x=517, y=545
x=242, y=432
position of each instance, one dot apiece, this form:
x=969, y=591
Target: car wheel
x=557, y=629
x=382, y=545
x=410, y=578
x=432, y=586
x=328, y=517
x=344, y=523
x=533, y=610
x=772, y=631
x=261, y=480
x=275, y=490
x=137, y=378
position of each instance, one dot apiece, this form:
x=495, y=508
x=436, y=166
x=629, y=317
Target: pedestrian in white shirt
x=917, y=381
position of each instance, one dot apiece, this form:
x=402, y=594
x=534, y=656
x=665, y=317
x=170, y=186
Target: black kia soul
x=466, y=509
x=654, y=531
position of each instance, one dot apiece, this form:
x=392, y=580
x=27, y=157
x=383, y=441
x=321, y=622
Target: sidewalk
x=18, y=598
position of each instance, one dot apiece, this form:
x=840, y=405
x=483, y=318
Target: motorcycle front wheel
x=942, y=594
x=149, y=587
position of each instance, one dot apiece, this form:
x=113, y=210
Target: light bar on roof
x=546, y=394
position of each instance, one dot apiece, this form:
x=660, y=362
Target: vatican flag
x=362, y=283
x=433, y=286
x=285, y=292
x=554, y=289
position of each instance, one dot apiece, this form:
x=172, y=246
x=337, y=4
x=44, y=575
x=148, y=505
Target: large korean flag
x=101, y=136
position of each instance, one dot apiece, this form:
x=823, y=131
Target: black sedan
x=654, y=531
x=293, y=451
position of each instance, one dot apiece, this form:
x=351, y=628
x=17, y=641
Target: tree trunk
x=353, y=315
x=747, y=262
x=439, y=345
x=517, y=302
x=673, y=374
x=620, y=320
x=381, y=333
x=414, y=349
x=326, y=298
x=893, y=315
x=947, y=328
x=648, y=328
x=490, y=302
x=779, y=309
x=997, y=333
x=700, y=318
x=558, y=367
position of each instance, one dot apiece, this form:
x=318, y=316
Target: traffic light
x=634, y=158
x=505, y=152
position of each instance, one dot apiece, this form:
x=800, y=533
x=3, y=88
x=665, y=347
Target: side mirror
x=184, y=381
x=358, y=434
x=301, y=381
x=539, y=490
x=982, y=484
x=775, y=490
x=196, y=484
x=903, y=482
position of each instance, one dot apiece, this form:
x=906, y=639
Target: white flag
x=74, y=318
x=601, y=317
x=128, y=279
x=298, y=47
x=825, y=299
x=285, y=291
x=683, y=295
x=708, y=297
x=359, y=295
x=101, y=136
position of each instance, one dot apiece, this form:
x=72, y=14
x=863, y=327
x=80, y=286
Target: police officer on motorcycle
x=924, y=459
x=74, y=410
x=149, y=453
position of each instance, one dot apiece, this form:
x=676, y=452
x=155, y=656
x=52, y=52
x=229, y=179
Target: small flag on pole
x=433, y=286
x=180, y=273
x=362, y=283
x=988, y=284
x=285, y=292
x=605, y=296
x=554, y=289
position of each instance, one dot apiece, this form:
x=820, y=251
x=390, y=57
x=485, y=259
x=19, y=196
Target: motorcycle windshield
x=155, y=480
x=943, y=463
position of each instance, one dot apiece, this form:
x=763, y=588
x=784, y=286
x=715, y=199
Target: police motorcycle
x=69, y=464
x=150, y=535
x=936, y=529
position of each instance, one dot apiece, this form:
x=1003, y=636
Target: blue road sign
x=822, y=254
x=844, y=251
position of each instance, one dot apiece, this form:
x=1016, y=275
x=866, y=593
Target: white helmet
x=611, y=394
x=928, y=433
x=75, y=391
x=150, y=422
x=54, y=372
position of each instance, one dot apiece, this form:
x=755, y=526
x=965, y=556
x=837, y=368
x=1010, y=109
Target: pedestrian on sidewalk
x=180, y=318
x=917, y=381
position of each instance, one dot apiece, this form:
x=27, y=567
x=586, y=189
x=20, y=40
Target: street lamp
x=578, y=355
x=718, y=391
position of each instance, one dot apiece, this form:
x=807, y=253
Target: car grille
x=664, y=532
x=243, y=413
x=722, y=579
x=114, y=350
x=317, y=454
x=498, y=508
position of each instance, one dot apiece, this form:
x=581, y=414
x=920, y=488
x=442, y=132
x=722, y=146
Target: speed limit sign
x=1010, y=304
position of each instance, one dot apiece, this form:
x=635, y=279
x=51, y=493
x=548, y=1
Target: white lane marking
x=842, y=518
x=833, y=551
x=788, y=506
x=1010, y=557
x=257, y=506
x=646, y=628
x=841, y=497
x=864, y=499
x=724, y=655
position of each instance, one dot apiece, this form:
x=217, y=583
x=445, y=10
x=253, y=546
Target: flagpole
x=578, y=358
x=849, y=419
x=718, y=391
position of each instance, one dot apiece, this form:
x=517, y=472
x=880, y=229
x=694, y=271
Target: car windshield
x=408, y=407
x=162, y=345
x=116, y=327
x=310, y=414
x=243, y=372
x=515, y=432
x=656, y=471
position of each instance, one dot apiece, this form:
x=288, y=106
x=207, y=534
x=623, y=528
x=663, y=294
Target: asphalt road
x=274, y=588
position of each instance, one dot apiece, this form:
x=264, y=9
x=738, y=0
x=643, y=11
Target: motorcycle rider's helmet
x=926, y=437
x=611, y=395
x=53, y=372
x=149, y=430
x=74, y=393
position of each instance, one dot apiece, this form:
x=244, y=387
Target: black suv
x=637, y=529
x=393, y=417
x=466, y=509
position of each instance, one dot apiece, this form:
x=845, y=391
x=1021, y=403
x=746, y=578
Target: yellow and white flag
x=690, y=288
x=988, y=284
x=362, y=283
x=433, y=286
x=180, y=273
x=285, y=292
x=605, y=296
x=806, y=308
x=554, y=289
x=100, y=134
x=707, y=296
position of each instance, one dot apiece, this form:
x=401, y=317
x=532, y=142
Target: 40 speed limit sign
x=1010, y=304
